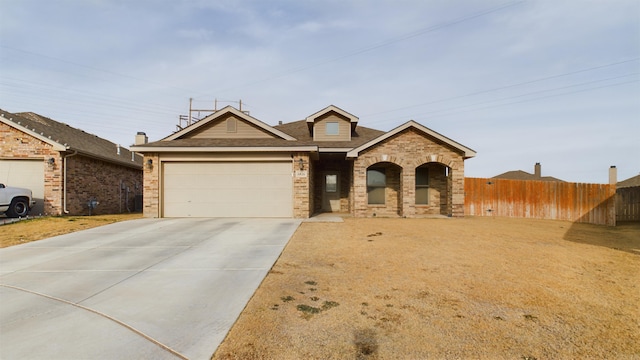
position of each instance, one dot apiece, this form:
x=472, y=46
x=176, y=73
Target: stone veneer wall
x=302, y=184
x=151, y=197
x=408, y=150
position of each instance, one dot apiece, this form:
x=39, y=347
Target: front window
x=422, y=185
x=332, y=128
x=331, y=183
x=376, y=184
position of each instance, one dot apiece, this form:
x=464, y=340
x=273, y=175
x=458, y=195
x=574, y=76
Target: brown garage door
x=227, y=189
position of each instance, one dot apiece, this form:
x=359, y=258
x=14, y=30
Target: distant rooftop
x=523, y=175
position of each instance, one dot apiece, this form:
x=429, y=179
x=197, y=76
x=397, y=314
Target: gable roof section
x=632, y=181
x=63, y=137
x=332, y=108
x=523, y=175
x=222, y=112
x=467, y=152
x=352, y=118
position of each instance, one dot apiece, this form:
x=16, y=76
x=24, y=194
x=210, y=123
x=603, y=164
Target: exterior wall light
x=149, y=163
x=51, y=161
x=301, y=164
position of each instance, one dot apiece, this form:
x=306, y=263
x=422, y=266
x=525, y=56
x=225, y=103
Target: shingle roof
x=523, y=175
x=632, y=181
x=70, y=138
x=297, y=129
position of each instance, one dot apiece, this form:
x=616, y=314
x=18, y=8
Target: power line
x=522, y=101
x=505, y=87
x=391, y=41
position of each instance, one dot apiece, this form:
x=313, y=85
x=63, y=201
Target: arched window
x=422, y=185
x=376, y=184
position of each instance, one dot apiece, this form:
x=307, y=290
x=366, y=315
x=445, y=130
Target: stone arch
x=437, y=158
x=369, y=161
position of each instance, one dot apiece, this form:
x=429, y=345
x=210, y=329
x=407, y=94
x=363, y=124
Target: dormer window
x=232, y=125
x=332, y=128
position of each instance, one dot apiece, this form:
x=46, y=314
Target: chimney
x=141, y=138
x=280, y=122
x=537, y=170
x=613, y=175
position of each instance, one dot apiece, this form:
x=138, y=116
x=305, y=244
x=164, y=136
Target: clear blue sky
x=520, y=82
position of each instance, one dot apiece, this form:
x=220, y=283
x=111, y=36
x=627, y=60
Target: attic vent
x=232, y=125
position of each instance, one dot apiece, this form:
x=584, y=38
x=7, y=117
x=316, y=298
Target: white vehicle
x=15, y=202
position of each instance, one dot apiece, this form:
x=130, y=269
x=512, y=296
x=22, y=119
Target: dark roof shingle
x=72, y=138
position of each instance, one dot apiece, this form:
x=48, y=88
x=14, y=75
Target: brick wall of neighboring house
x=151, y=198
x=112, y=185
x=408, y=150
x=86, y=177
x=15, y=144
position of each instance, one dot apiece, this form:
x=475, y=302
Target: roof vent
x=118, y=149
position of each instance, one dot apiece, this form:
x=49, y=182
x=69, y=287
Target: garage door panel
x=27, y=174
x=233, y=189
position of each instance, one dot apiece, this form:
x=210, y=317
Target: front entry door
x=331, y=192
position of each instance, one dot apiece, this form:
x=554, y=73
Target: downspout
x=64, y=176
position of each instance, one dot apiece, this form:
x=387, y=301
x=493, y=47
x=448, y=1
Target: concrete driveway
x=149, y=288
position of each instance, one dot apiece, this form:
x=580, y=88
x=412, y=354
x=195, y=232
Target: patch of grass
x=329, y=304
x=314, y=298
x=287, y=298
x=308, y=309
x=311, y=282
x=530, y=317
x=45, y=227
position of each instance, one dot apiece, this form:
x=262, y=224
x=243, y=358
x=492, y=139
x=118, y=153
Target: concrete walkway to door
x=150, y=288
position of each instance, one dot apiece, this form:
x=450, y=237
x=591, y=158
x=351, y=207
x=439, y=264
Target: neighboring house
x=627, y=198
x=66, y=168
x=230, y=164
x=522, y=175
x=630, y=182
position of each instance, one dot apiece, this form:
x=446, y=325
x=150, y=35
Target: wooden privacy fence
x=628, y=204
x=587, y=203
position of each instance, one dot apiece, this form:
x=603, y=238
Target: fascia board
x=333, y=150
x=468, y=153
x=236, y=112
x=352, y=118
x=152, y=149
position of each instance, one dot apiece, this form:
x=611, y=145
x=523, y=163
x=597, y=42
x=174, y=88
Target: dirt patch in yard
x=41, y=228
x=482, y=288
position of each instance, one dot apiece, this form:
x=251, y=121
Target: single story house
x=66, y=168
x=523, y=175
x=230, y=164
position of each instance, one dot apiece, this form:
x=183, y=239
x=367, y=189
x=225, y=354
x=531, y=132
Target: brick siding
x=86, y=177
x=406, y=151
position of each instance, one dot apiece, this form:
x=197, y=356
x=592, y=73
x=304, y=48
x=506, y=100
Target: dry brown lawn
x=473, y=288
x=45, y=227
